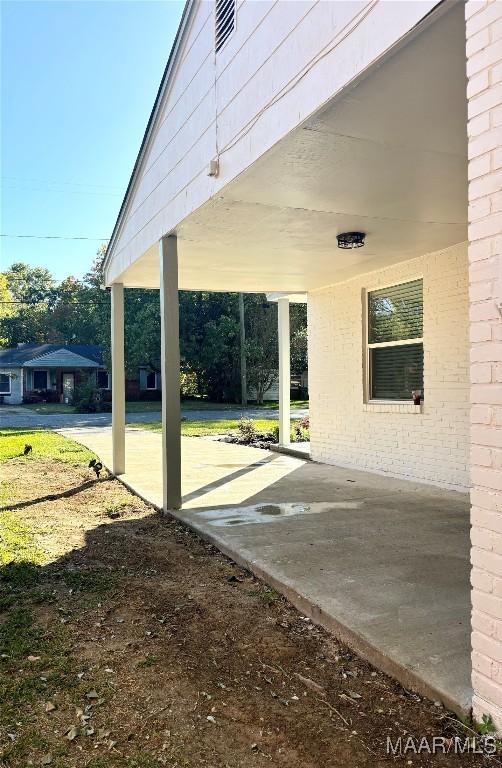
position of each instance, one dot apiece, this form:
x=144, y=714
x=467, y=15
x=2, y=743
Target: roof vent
x=224, y=22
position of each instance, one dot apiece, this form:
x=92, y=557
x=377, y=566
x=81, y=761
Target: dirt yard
x=129, y=642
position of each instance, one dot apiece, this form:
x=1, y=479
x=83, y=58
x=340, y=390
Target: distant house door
x=68, y=386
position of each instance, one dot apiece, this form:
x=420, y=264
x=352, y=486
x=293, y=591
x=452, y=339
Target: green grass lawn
x=44, y=444
x=203, y=428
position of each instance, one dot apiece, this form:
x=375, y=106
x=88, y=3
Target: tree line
x=34, y=308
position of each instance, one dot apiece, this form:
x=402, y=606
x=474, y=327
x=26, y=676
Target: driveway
x=382, y=563
x=24, y=418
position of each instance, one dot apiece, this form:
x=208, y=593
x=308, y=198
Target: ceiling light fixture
x=351, y=239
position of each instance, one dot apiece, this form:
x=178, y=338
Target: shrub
x=247, y=429
x=86, y=397
x=300, y=431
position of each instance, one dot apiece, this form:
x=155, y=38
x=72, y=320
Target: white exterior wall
x=431, y=445
x=283, y=61
x=484, y=91
x=16, y=386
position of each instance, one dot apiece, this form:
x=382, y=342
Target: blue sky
x=78, y=83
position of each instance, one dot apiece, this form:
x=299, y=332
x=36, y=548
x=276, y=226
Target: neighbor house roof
x=52, y=355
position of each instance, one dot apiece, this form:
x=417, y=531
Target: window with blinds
x=395, y=342
x=224, y=23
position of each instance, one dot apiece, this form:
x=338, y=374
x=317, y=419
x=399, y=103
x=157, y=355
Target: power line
x=57, y=237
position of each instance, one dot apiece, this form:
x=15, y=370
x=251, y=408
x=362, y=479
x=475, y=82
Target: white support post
x=284, y=371
x=170, y=373
x=118, y=379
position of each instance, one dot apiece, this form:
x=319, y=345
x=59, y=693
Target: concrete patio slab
x=382, y=563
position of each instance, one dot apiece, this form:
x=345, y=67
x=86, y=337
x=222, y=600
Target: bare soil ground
x=136, y=644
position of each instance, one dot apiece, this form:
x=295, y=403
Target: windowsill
x=392, y=406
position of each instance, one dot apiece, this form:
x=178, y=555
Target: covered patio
x=382, y=559
x=369, y=137
x=382, y=563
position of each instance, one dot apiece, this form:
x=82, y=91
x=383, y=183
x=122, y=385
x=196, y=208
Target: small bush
x=300, y=431
x=247, y=429
x=87, y=398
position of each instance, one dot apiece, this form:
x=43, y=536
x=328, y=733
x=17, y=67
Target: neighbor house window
x=104, y=380
x=395, y=350
x=4, y=384
x=39, y=379
x=224, y=22
x=151, y=380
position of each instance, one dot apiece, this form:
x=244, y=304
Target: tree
x=298, y=332
x=6, y=309
x=33, y=291
x=261, y=344
x=209, y=342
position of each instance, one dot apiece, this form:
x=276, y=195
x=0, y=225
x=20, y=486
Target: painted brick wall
x=16, y=386
x=431, y=445
x=484, y=91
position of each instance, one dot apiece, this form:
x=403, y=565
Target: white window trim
x=5, y=394
x=367, y=399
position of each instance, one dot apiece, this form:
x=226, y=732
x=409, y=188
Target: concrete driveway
x=383, y=563
x=25, y=418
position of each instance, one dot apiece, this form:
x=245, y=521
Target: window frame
x=154, y=388
x=108, y=380
x=9, y=379
x=367, y=347
x=47, y=381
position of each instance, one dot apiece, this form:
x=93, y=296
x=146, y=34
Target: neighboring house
x=298, y=387
x=52, y=371
x=331, y=150
x=48, y=371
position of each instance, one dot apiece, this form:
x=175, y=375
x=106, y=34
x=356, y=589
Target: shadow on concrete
x=227, y=479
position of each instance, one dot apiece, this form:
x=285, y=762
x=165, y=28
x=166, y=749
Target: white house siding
x=430, y=446
x=283, y=61
x=16, y=386
x=271, y=394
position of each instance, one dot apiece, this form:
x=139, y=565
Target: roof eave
x=166, y=77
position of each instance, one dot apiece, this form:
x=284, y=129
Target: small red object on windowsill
x=417, y=397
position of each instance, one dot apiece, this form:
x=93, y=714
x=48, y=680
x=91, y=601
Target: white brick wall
x=484, y=71
x=430, y=446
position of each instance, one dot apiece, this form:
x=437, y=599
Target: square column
x=118, y=379
x=484, y=92
x=170, y=374
x=284, y=372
